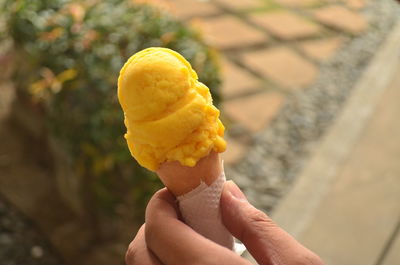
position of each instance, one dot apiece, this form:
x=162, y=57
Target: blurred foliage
x=69, y=54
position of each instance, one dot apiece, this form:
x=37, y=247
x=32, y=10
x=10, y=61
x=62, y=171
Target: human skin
x=165, y=239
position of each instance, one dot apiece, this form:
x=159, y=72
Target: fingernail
x=235, y=191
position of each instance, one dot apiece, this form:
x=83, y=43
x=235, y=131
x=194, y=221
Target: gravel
x=21, y=242
x=278, y=154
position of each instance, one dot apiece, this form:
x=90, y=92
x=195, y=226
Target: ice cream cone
x=181, y=180
x=198, y=190
x=174, y=129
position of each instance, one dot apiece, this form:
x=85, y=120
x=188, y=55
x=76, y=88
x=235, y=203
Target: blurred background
x=284, y=74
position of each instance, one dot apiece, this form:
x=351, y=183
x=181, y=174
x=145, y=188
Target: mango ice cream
x=169, y=114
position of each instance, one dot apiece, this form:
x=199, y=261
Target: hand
x=164, y=239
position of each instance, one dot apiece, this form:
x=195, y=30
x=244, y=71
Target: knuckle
x=257, y=223
x=257, y=216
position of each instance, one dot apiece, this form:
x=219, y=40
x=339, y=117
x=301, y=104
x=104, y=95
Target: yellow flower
x=52, y=35
x=38, y=87
x=168, y=37
x=77, y=11
x=67, y=75
x=49, y=81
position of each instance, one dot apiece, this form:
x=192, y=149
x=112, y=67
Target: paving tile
x=230, y=32
x=297, y=3
x=286, y=25
x=163, y=4
x=321, y=49
x=342, y=19
x=345, y=231
x=185, y=9
x=256, y=111
x=283, y=66
x=240, y=4
x=393, y=256
x=236, y=80
x=235, y=151
x=360, y=211
x=355, y=4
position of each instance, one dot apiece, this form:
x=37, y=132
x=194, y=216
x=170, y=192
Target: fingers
x=176, y=243
x=138, y=253
x=268, y=243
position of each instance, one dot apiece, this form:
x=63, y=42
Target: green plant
x=69, y=54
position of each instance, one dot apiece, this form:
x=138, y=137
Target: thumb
x=268, y=243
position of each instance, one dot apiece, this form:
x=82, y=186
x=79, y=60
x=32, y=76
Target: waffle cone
x=182, y=179
x=198, y=190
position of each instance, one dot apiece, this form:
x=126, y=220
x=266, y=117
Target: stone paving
x=367, y=181
x=270, y=49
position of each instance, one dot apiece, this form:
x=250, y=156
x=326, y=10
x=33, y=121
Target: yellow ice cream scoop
x=169, y=114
